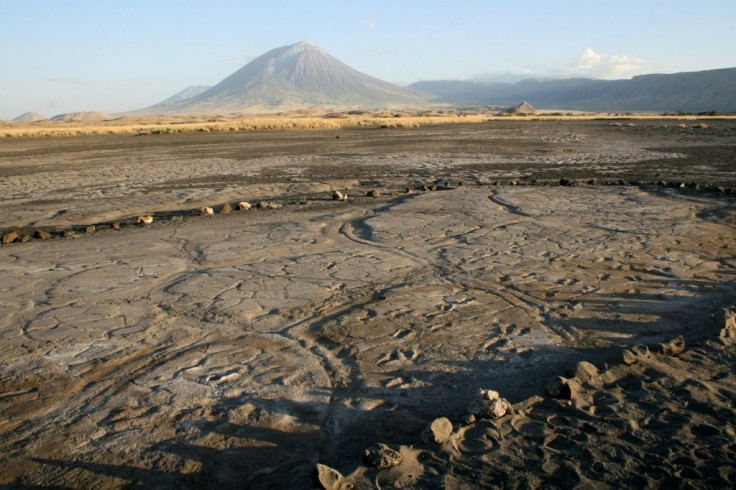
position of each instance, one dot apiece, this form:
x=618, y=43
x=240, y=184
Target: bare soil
x=241, y=349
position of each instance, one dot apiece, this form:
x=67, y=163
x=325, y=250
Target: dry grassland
x=172, y=125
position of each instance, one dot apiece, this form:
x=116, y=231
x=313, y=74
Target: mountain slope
x=185, y=94
x=292, y=77
x=690, y=91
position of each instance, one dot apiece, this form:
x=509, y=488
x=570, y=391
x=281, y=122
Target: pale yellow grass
x=171, y=125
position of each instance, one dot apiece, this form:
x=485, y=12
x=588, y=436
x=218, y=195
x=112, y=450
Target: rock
x=116, y=225
x=90, y=229
x=262, y=204
x=25, y=238
x=593, y=182
x=728, y=322
x=226, y=208
x=326, y=478
x=275, y=205
x=206, y=211
x=585, y=372
x=373, y=193
x=567, y=182
x=438, y=431
x=381, y=456
x=145, y=220
x=303, y=202
x=430, y=188
x=9, y=237
x=489, y=405
x=674, y=347
x=563, y=388
x=629, y=357
x=42, y=235
x=69, y=234
x=243, y=205
x=640, y=350
x=339, y=196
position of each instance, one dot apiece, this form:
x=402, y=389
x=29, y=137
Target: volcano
x=294, y=77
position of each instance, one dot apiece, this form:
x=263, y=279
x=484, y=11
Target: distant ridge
x=88, y=116
x=689, y=91
x=30, y=117
x=293, y=77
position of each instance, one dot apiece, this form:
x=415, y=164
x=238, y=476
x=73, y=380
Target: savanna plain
x=583, y=270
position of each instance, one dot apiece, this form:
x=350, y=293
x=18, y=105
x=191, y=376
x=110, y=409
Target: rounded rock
x=326, y=478
x=381, y=456
x=438, y=431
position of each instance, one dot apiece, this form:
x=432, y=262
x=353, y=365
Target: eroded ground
x=239, y=350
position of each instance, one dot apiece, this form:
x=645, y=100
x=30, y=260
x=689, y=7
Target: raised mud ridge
x=26, y=234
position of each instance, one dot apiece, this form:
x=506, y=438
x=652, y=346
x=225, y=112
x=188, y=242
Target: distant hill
x=88, y=116
x=29, y=117
x=293, y=77
x=689, y=91
x=523, y=108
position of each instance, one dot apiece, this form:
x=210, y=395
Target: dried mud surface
x=241, y=349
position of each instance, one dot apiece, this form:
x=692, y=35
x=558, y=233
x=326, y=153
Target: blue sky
x=64, y=56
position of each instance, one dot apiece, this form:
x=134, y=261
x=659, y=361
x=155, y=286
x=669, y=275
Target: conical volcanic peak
x=292, y=77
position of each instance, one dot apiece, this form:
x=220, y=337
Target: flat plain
x=243, y=348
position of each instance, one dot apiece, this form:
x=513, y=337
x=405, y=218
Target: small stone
x=9, y=237
x=25, y=238
x=339, y=196
x=381, y=456
x=303, y=202
x=563, y=388
x=243, y=205
x=326, y=478
x=640, y=350
x=566, y=182
x=145, y=220
x=226, y=208
x=673, y=348
x=629, y=357
x=489, y=405
x=728, y=322
x=262, y=204
x=274, y=205
x=438, y=431
x=373, y=193
x=116, y=225
x=206, y=211
x=42, y=235
x=585, y=372
x=90, y=229
x=69, y=233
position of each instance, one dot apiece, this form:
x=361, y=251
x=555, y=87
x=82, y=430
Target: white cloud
x=613, y=66
x=587, y=60
x=369, y=24
x=624, y=65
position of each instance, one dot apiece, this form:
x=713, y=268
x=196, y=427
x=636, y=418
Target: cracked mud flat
x=239, y=350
